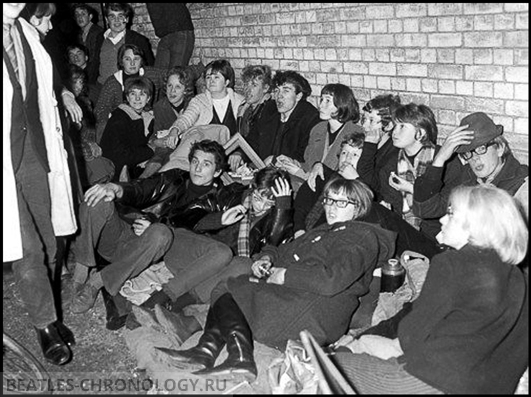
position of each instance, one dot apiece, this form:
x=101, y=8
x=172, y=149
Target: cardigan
x=467, y=332
x=328, y=269
x=200, y=110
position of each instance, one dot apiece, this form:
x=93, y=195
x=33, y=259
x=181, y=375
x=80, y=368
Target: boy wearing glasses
x=117, y=16
x=487, y=159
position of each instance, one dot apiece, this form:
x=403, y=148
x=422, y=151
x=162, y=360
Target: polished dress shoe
x=54, y=349
x=65, y=333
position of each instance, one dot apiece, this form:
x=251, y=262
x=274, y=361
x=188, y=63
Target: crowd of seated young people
x=338, y=198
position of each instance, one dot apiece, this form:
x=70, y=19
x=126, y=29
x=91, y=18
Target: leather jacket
x=159, y=196
x=273, y=228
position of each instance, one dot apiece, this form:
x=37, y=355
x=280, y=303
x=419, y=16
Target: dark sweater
x=467, y=332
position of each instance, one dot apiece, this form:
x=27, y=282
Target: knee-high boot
x=240, y=363
x=204, y=354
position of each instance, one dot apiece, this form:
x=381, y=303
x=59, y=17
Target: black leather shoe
x=66, y=334
x=54, y=349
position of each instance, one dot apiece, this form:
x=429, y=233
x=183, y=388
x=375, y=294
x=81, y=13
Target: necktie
x=9, y=46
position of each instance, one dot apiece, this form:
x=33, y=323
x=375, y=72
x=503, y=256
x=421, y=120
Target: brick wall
x=456, y=58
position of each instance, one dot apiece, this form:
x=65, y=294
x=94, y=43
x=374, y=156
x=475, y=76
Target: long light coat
x=63, y=217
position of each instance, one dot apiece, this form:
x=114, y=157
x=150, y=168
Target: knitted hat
x=484, y=130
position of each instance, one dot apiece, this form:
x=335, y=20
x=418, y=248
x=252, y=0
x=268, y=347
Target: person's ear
x=389, y=126
x=218, y=173
x=420, y=134
x=298, y=97
x=35, y=21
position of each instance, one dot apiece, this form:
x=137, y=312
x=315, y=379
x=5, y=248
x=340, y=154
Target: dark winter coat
x=296, y=131
x=124, y=141
x=328, y=269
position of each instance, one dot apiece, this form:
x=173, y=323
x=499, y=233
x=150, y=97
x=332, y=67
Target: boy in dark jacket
x=163, y=203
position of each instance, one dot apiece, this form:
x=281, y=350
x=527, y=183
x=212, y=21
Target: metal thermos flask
x=393, y=276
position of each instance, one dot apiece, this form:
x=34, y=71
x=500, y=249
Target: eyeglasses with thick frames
x=479, y=151
x=339, y=203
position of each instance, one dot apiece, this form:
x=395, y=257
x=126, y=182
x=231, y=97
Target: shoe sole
x=236, y=375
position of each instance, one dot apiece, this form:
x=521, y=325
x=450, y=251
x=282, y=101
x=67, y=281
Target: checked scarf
x=410, y=172
x=245, y=228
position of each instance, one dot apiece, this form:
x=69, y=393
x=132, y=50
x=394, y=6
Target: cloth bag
x=390, y=303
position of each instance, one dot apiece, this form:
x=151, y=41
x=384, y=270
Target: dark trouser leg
x=240, y=363
x=32, y=272
x=194, y=258
x=135, y=255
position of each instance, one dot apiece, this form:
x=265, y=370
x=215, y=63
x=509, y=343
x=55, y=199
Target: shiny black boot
x=204, y=354
x=240, y=364
x=54, y=349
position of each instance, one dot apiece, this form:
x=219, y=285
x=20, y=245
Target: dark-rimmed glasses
x=479, y=151
x=339, y=203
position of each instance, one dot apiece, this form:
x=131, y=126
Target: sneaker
x=84, y=300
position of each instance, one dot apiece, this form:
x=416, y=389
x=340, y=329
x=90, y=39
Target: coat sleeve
x=281, y=226
x=366, y=166
x=309, y=122
x=108, y=100
x=342, y=264
x=142, y=193
x=432, y=189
